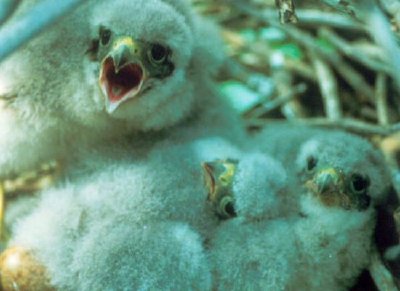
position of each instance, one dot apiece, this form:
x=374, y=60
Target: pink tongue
x=119, y=84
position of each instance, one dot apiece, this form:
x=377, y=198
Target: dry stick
x=393, y=8
x=41, y=15
x=287, y=11
x=370, y=49
x=283, y=79
x=7, y=7
x=315, y=17
x=344, y=6
x=347, y=72
x=293, y=65
x=301, y=68
x=279, y=101
x=383, y=35
x=380, y=30
x=348, y=124
x=329, y=89
x=381, y=99
x=32, y=181
x=2, y=208
x=380, y=274
x=353, y=52
x=390, y=147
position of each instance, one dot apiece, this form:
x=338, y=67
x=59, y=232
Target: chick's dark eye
x=311, y=163
x=359, y=183
x=226, y=207
x=158, y=53
x=105, y=35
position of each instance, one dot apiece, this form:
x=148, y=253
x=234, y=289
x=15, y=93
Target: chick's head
x=141, y=51
x=250, y=187
x=342, y=170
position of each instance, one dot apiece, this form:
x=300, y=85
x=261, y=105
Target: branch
x=7, y=7
x=287, y=12
x=45, y=13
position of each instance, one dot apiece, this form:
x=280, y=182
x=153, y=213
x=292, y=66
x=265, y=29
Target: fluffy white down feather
x=52, y=105
x=153, y=210
x=323, y=248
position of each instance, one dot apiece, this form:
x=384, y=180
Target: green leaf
x=239, y=96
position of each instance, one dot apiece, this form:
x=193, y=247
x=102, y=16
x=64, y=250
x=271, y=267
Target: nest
x=333, y=67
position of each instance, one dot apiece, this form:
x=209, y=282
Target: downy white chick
x=338, y=180
x=253, y=250
x=134, y=223
x=108, y=70
x=343, y=178
x=283, y=141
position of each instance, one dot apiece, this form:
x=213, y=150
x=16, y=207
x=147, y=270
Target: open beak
x=209, y=177
x=122, y=73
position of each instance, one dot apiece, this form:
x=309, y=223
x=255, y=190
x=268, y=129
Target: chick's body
x=335, y=180
x=254, y=249
x=128, y=225
x=108, y=70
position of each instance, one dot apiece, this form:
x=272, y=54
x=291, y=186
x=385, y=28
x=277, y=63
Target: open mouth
x=120, y=83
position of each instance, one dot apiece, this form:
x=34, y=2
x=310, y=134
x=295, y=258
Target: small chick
x=147, y=218
x=252, y=187
x=300, y=148
x=108, y=71
x=343, y=178
x=254, y=250
x=339, y=179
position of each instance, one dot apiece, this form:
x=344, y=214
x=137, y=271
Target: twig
x=344, y=6
x=315, y=17
x=381, y=276
x=7, y=7
x=381, y=99
x=349, y=124
x=293, y=65
x=381, y=32
x=32, y=181
x=287, y=11
x=329, y=89
x=390, y=147
x=301, y=68
x=283, y=80
x=353, y=52
x=347, y=72
x=393, y=8
x=43, y=14
x=2, y=210
x=279, y=101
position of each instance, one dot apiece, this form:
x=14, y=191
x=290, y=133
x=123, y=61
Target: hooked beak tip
x=111, y=107
x=327, y=180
